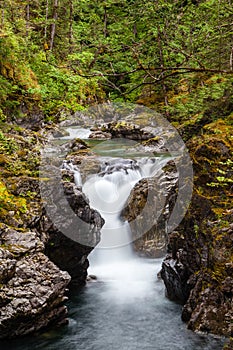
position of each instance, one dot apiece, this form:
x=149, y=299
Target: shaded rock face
x=182, y=259
x=32, y=288
x=147, y=211
x=175, y=276
x=209, y=307
x=66, y=235
x=198, y=269
x=197, y=272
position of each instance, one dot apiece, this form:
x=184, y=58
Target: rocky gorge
x=197, y=270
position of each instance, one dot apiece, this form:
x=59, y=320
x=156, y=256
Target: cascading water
x=113, y=260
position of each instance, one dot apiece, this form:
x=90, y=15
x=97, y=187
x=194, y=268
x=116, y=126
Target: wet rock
x=60, y=133
x=91, y=278
x=175, y=276
x=100, y=135
x=153, y=145
x=122, y=165
x=127, y=130
x=32, y=288
x=73, y=228
x=77, y=145
x=147, y=211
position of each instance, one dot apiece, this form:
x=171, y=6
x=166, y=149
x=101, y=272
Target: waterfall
x=108, y=193
x=113, y=257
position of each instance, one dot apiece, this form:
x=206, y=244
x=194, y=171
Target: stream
x=125, y=308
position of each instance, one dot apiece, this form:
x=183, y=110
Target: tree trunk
x=71, y=26
x=135, y=32
x=2, y=16
x=231, y=59
x=162, y=66
x=53, y=26
x=105, y=22
x=46, y=20
x=27, y=19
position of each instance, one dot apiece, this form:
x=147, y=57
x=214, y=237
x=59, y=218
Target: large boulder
x=32, y=288
x=72, y=228
x=147, y=210
x=130, y=131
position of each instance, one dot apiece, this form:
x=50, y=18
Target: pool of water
x=127, y=313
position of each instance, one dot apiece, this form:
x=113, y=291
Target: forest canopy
x=173, y=55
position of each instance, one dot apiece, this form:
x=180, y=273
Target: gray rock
x=26, y=305
x=73, y=229
x=99, y=135
x=149, y=197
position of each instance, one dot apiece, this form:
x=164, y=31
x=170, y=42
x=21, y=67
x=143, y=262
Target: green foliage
x=9, y=202
x=7, y=145
x=120, y=50
x=224, y=175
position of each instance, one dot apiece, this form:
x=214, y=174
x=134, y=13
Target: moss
x=9, y=202
x=152, y=141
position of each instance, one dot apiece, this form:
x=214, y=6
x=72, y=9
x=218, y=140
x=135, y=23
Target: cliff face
x=198, y=268
x=198, y=271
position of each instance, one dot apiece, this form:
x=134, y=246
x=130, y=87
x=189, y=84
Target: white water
x=113, y=260
x=76, y=132
x=108, y=193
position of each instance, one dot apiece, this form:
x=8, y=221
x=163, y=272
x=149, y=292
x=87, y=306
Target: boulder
x=32, y=288
x=127, y=130
x=72, y=227
x=100, y=135
x=147, y=210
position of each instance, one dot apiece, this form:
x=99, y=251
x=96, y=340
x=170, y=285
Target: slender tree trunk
x=162, y=65
x=27, y=19
x=105, y=22
x=135, y=32
x=71, y=26
x=53, y=26
x=220, y=44
x=231, y=59
x=2, y=18
x=46, y=20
